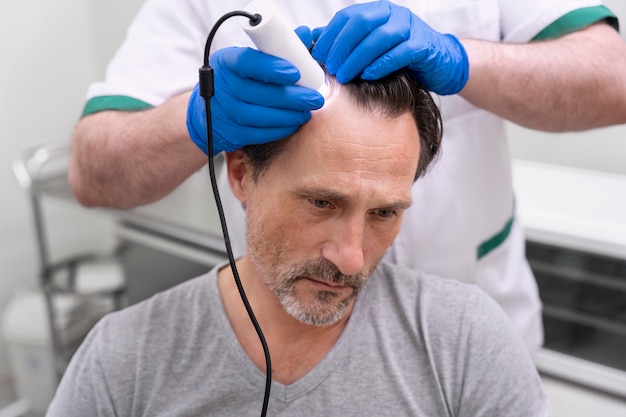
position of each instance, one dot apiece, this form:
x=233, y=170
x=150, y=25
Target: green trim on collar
x=576, y=20
x=123, y=103
x=496, y=240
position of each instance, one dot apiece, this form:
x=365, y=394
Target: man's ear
x=238, y=174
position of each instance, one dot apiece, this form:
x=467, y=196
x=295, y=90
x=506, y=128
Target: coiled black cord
x=206, y=91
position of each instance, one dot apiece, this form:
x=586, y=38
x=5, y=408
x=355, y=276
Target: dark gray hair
x=392, y=96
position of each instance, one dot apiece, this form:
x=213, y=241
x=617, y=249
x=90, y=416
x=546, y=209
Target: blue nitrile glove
x=372, y=40
x=255, y=99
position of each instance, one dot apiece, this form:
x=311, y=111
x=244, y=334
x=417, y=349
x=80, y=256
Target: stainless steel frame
x=36, y=170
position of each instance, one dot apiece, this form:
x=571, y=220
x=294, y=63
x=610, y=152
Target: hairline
x=392, y=96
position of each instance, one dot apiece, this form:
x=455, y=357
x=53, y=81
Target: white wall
x=46, y=60
x=110, y=20
x=600, y=149
x=49, y=53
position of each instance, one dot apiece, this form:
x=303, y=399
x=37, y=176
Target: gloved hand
x=375, y=39
x=255, y=100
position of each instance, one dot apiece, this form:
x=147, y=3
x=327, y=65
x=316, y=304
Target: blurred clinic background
x=571, y=196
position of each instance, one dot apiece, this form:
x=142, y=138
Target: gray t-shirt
x=415, y=345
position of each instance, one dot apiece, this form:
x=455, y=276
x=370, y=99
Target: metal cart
x=41, y=171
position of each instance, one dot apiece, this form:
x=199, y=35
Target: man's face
x=326, y=209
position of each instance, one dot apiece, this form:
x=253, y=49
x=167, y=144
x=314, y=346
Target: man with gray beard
x=349, y=335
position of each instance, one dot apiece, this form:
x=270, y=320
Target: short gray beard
x=323, y=313
x=314, y=315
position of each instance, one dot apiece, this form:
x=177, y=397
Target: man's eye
x=321, y=204
x=385, y=213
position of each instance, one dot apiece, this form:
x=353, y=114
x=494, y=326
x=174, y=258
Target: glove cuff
x=196, y=120
x=461, y=70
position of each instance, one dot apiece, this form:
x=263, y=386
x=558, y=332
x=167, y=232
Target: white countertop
x=570, y=207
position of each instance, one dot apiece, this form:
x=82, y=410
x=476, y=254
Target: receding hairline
x=387, y=103
x=391, y=96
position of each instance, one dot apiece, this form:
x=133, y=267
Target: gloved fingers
x=317, y=32
x=306, y=36
x=347, y=29
x=237, y=92
x=253, y=64
x=252, y=136
x=253, y=126
x=403, y=55
x=255, y=99
x=376, y=47
x=256, y=115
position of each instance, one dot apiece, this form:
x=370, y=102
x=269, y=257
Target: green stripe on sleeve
x=576, y=20
x=496, y=240
x=122, y=103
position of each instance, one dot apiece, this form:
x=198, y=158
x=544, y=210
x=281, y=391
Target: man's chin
x=325, y=309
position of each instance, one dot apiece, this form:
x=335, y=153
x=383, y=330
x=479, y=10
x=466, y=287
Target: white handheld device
x=273, y=36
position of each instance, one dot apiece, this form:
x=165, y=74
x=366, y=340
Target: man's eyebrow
x=321, y=193
x=397, y=205
x=338, y=197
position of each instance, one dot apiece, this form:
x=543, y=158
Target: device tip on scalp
x=272, y=34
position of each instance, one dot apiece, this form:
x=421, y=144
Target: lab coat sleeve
x=84, y=389
x=523, y=20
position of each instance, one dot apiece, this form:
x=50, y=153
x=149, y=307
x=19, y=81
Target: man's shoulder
x=413, y=282
x=160, y=313
x=436, y=305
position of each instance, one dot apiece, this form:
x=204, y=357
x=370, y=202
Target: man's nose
x=345, y=248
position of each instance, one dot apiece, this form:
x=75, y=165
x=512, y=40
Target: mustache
x=327, y=271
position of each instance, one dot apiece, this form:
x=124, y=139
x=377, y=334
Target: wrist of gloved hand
x=255, y=101
x=448, y=77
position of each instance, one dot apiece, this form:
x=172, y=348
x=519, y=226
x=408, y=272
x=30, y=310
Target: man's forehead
x=342, y=129
x=346, y=142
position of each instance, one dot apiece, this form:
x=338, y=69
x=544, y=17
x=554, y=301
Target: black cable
x=206, y=91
